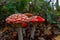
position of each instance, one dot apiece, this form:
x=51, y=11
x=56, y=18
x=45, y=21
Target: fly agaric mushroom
x=35, y=20
x=17, y=20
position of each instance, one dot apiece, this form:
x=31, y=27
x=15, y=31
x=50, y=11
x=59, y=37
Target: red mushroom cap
x=17, y=18
x=37, y=19
x=24, y=25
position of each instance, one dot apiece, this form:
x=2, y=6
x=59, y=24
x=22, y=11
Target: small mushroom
x=35, y=20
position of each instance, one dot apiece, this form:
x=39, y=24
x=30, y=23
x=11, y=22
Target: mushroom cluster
x=22, y=20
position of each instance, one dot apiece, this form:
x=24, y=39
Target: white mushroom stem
x=33, y=30
x=20, y=34
x=24, y=30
